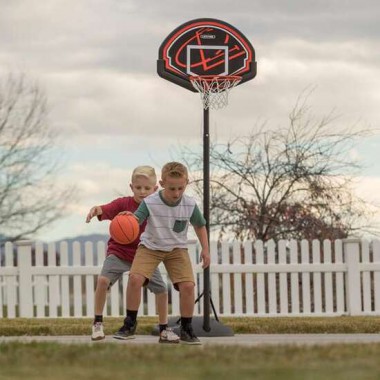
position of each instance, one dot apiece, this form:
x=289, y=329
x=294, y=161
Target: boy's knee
x=136, y=280
x=103, y=282
x=186, y=287
x=162, y=297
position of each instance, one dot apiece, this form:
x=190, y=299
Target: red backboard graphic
x=205, y=47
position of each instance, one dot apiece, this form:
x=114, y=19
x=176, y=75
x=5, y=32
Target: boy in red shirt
x=120, y=256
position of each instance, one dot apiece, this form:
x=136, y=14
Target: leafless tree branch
x=30, y=199
x=292, y=182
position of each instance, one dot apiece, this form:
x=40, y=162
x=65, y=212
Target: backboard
x=205, y=47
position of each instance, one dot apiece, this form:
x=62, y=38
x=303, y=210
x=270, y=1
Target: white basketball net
x=214, y=90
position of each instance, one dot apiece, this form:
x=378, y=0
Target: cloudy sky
x=96, y=60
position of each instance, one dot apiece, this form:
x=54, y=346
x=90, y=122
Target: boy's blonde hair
x=145, y=171
x=175, y=170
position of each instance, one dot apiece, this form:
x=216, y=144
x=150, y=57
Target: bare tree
x=293, y=182
x=30, y=198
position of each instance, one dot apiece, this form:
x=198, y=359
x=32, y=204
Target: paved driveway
x=238, y=339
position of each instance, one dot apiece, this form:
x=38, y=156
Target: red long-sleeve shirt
x=110, y=210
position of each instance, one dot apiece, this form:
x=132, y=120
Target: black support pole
x=206, y=213
x=204, y=326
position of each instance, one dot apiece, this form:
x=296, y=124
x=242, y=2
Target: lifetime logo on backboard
x=205, y=47
x=208, y=36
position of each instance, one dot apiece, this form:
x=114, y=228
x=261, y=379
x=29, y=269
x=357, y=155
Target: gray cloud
x=125, y=35
x=97, y=61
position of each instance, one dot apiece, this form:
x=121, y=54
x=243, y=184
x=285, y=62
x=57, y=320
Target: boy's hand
x=128, y=213
x=205, y=258
x=205, y=253
x=125, y=213
x=94, y=211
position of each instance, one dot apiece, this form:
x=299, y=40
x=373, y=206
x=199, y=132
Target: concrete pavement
x=237, y=339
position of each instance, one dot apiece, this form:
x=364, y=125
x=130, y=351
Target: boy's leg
x=187, y=300
x=157, y=286
x=102, y=285
x=135, y=283
x=113, y=268
x=162, y=308
x=186, y=291
x=100, y=299
x=180, y=271
x=143, y=266
x=127, y=331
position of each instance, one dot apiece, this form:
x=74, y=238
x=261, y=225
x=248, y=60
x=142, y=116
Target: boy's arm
x=94, y=211
x=142, y=212
x=201, y=233
x=110, y=210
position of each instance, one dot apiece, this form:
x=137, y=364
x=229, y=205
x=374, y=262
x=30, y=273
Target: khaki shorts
x=177, y=264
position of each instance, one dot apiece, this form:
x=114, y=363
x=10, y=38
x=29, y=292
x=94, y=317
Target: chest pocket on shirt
x=179, y=225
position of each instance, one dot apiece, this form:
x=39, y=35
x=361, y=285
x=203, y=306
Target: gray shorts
x=114, y=268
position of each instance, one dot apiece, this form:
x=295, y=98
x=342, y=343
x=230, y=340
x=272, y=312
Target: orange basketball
x=124, y=229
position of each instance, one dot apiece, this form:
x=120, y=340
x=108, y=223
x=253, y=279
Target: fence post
x=351, y=249
x=24, y=259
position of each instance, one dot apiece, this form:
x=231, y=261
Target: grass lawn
x=109, y=361
x=244, y=325
x=114, y=361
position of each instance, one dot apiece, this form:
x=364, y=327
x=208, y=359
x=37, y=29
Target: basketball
x=124, y=229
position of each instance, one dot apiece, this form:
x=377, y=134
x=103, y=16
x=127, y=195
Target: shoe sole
x=98, y=338
x=168, y=341
x=190, y=343
x=124, y=337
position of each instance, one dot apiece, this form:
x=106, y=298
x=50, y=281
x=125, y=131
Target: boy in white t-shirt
x=168, y=213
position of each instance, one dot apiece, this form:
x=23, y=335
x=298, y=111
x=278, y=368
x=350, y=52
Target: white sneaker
x=168, y=336
x=97, y=331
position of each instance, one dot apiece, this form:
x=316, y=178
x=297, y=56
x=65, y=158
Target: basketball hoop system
x=211, y=57
x=214, y=90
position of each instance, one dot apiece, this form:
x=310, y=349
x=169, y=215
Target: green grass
x=109, y=361
x=19, y=361
x=245, y=325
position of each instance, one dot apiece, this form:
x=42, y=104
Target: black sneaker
x=126, y=332
x=187, y=336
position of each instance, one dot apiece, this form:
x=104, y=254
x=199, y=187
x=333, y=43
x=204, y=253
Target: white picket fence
x=291, y=278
